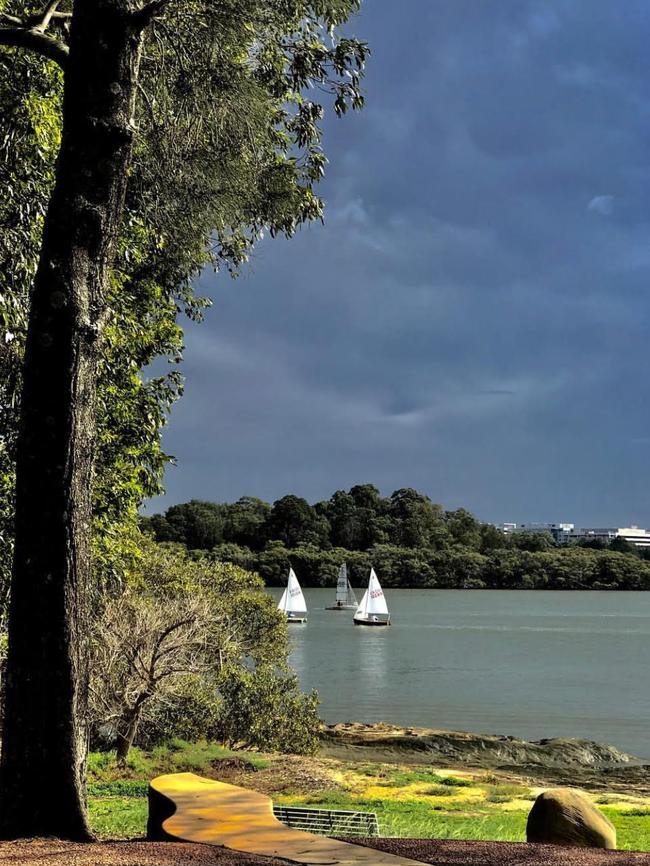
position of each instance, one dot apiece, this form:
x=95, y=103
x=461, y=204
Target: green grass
x=439, y=791
x=417, y=818
x=118, y=788
x=118, y=805
x=483, y=820
x=117, y=796
x=402, y=778
x=502, y=826
x=505, y=793
x=176, y=757
x=118, y=817
x=457, y=782
x=632, y=830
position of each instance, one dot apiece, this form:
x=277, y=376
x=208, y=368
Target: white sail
x=342, y=585
x=373, y=604
x=376, y=599
x=361, y=610
x=293, y=601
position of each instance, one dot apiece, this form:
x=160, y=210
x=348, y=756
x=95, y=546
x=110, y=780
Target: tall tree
x=415, y=518
x=292, y=520
x=244, y=521
x=198, y=524
x=196, y=54
x=44, y=740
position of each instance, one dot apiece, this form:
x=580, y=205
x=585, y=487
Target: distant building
x=565, y=533
x=560, y=531
x=632, y=534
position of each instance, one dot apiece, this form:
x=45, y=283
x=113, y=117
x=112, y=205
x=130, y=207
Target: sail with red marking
x=373, y=609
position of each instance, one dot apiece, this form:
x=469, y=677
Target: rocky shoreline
x=579, y=762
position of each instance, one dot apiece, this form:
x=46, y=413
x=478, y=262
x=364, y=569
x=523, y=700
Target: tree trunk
x=125, y=740
x=42, y=767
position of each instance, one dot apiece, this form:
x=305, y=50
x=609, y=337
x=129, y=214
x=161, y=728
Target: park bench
x=328, y=822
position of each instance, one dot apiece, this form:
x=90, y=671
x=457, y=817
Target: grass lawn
x=409, y=802
x=117, y=798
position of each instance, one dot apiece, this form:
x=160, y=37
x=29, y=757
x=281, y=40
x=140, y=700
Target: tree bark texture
x=42, y=765
x=129, y=729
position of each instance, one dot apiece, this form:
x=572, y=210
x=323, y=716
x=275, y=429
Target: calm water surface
x=531, y=664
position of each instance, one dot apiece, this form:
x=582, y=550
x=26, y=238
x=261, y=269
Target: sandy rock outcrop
x=565, y=816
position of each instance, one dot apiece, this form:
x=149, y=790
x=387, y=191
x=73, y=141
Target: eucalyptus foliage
x=232, y=94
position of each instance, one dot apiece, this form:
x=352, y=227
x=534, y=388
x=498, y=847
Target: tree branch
x=11, y=19
x=148, y=12
x=46, y=15
x=35, y=40
x=55, y=15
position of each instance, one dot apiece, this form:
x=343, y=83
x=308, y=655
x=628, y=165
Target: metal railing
x=328, y=822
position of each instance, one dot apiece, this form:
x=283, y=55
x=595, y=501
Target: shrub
x=267, y=710
x=190, y=712
x=439, y=791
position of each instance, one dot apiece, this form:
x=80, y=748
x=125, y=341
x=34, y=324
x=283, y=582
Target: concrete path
x=187, y=807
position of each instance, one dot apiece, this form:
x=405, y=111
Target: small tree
x=142, y=647
x=207, y=627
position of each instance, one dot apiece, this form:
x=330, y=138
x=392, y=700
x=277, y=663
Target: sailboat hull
x=297, y=618
x=342, y=607
x=371, y=622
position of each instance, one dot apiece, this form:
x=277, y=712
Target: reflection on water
x=373, y=647
x=531, y=664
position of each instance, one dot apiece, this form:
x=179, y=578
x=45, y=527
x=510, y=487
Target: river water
x=530, y=664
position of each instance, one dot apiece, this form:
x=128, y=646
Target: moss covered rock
x=564, y=816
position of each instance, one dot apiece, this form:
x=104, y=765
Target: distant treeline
x=410, y=541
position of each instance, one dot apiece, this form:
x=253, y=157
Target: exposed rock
x=355, y=741
x=564, y=816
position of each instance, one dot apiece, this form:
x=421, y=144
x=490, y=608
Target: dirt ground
x=291, y=773
x=43, y=852
x=452, y=852
x=46, y=852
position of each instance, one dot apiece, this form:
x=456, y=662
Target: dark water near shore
x=530, y=664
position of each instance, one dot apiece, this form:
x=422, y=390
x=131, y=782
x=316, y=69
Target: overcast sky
x=473, y=319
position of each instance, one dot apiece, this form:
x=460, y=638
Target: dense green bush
x=191, y=711
x=268, y=712
x=194, y=649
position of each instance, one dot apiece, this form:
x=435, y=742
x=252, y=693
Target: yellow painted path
x=188, y=808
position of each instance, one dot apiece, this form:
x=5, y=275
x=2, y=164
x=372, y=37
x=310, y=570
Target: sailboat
x=345, y=597
x=373, y=609
x=293, y=601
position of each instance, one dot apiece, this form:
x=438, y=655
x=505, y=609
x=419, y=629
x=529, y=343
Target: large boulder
x=564, y=816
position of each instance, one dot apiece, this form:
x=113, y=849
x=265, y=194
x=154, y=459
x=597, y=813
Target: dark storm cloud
x=473, y=319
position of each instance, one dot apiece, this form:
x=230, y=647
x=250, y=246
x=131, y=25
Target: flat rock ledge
x=350, y=739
